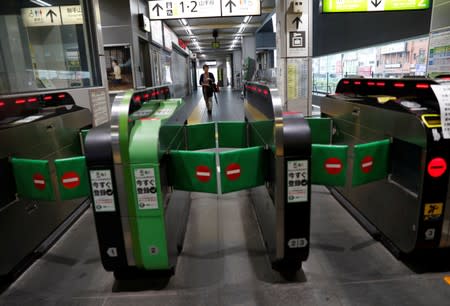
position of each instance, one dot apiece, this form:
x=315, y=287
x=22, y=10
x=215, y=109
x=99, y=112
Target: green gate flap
x=201, y=136
x=241, y=169
x=72, y=178
x=33, y=179
x=193, y=171
x=320, y=130
x=329, y=164
x=370, y=162
x=232, y=134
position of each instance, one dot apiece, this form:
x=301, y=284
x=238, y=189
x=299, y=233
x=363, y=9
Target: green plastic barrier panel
x=232, y=134
x=195, y=171
x=33, y=179
x=201, y=136
x=370, y=162
x=242, y=169
x=72, y=177
x=320, y=129
x=329, y=164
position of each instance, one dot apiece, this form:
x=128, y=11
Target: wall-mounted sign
x=41, y=16
x=71, y=14
x=297, y=33
x=52, y=15
x=144, y=23
x=167, y=37
x=176, y=9
x=340, y=6
x=157, y=32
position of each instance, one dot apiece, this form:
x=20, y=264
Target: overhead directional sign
x=177, y=9
x=241, y=7
x=341, y=6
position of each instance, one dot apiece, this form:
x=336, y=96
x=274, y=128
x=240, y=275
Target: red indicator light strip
x=422, y=86
x=259, y=90
x=157, y=93
x=20, y=101
x=399, y=85
x=137, y=99
x=2, y=103
x=265, y=92
x=357, y=83
x=61, y=96
x=146, y=96
x=381, y=83
x=31, y=100
x=370, y=83
x=346, y=82
x=46, y=98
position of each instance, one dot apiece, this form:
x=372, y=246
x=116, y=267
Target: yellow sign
x=432, y=211
x=292, y=90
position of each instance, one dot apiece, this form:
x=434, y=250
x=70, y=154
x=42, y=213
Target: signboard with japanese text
x=176, y=9
x=147, y=195
x=41, y=16
x=442, y=93
x=71, y=14
x=102, y=190
x=241, y=8
x=297, y=181
x=347, y=6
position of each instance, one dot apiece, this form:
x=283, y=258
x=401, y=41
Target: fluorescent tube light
x=40, y=2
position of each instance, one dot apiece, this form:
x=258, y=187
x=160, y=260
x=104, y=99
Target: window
x=44, y=47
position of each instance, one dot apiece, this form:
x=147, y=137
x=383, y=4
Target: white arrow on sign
x=112, y=252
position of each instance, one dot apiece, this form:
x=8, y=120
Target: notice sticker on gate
x=297, y=181
x=102, y=190
x=442, y=93
x=145, y=182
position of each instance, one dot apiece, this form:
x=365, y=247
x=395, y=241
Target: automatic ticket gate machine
x=138, y=232
x=38, y=133
x=148, y=150
x=410, y=207
x=283, y=205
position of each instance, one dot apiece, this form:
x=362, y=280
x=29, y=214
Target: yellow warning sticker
x=432, y=211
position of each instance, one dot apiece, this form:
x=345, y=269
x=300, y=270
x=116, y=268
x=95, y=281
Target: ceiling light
x=188, y=30
x=184, y=22
x=40, y=3
x=247, y=19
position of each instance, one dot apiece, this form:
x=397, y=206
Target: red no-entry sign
x=203, y=173
x=436, y=167
x=367, y=164
x=233, y=171
x=70, y=180
x=333, y=165
x=39, y=181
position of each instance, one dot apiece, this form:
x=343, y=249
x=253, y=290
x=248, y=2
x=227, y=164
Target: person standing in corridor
x=207, y=82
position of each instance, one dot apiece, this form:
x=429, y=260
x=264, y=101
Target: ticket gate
x=37, y=131
x=148, y=151
x=408, y=209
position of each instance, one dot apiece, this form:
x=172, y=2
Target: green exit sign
x=347, y=6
